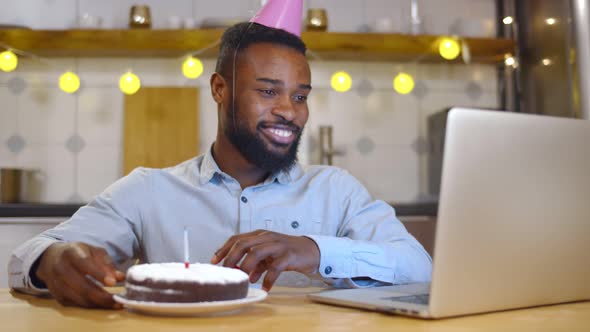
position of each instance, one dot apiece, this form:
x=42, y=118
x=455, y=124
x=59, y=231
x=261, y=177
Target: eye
x=267, y=92
x=301, y=98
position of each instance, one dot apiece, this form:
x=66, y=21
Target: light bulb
x=69, y=82
x=449, y=48
x=8, y=61
x=403, y=83
x=550, y=21
x=507, y=20
x=129, y=83
x=510, y=61
x=341, y=81
x=192, y=67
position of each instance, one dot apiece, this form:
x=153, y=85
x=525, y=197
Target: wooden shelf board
x=176, y=43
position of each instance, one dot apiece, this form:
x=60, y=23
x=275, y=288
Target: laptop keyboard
x=415, y=299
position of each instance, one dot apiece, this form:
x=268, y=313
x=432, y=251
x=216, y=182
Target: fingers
x=270, y=252
x=237, y=246
x=259, y=254
x=95, y=263
x=259, y=270
x=67, y=296
x=274, y=270
x=72, y=271
x=87, y=289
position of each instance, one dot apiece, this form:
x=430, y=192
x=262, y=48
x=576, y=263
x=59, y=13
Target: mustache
x=281, y=124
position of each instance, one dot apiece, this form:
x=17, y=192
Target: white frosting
x=200, y=273
x=151, y=290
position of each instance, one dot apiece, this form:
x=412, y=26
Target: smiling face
x=270, y=109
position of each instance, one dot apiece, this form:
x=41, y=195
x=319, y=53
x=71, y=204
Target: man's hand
x=66, y=269
x=271, y=252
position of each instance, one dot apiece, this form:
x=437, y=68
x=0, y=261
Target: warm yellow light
x=403, y=83
x=449, y=48
x=341, y=81
x=547, y=62
x=550, y=21
x=507, y=20
x=129, y=83
x=69, y=82
x=510, y=61
x=192, y=67
x=8, y=61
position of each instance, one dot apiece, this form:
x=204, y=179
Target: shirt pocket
x=290, y=223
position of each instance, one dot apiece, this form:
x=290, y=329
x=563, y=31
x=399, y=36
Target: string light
x=449, y=48
x=8, y=61
x=69, y=82
x=192, y=67
x=509, y=61
x=546, y=62
x=341, y=81
x=550, y=21
x=507, y=20
x=129, y=83
x=403, y=83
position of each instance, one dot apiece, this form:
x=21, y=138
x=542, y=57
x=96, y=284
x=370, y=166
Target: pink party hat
x=281, y=14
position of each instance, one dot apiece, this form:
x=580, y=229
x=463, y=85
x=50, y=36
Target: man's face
x=270, y=109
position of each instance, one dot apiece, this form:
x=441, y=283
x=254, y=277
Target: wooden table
x=286, y=309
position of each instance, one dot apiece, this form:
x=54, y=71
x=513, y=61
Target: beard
x=254, y=148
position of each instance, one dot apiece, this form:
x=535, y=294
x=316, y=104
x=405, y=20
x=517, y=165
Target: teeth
x=281, y=132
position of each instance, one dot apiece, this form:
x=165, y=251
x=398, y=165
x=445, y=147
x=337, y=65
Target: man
x=246, y=201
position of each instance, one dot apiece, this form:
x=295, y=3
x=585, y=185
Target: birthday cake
x=173, y=282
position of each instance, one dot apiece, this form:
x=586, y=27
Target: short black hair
x=240, y=36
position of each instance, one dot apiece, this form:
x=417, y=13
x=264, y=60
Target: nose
x=285, y=109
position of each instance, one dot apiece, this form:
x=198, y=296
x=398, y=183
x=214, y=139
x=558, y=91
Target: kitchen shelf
x=174, y=43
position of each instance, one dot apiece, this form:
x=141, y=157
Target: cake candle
x=186, y=259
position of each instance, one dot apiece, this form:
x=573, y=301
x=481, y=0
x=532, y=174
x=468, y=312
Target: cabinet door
x=423, y=229
x=14, y=232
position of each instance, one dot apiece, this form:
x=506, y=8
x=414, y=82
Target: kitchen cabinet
x=14, y=231
x=422, y=228
x=175, y=43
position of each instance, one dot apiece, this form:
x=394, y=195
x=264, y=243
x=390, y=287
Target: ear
x=218, y=88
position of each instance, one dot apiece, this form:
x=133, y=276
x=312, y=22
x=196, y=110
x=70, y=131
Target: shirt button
x=295, y=224
x=328, y=270
x=244, y=199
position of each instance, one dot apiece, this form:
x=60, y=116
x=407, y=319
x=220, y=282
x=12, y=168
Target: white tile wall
x=115, y=13
x=395, y=121
x=393, y=173
x=394, y=170
x=224, y=9
x=57, y=172
x=8, y=113
x=393, y=13
x=7, y=158
x=100, y=116
x=39, y=14
x=475, y=16
x=349, y=160
x=343, y=15
x=46, y=115
x=98, y=167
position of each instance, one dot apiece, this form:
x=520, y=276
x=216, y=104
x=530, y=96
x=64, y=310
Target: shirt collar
x=209, y=168
x=286, y=176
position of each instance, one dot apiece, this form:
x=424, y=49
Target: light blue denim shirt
x=142, y=216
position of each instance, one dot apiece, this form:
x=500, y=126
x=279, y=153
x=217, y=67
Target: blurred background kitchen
x=522, y=56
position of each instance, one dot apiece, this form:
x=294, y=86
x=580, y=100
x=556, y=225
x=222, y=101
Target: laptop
x=513, y=227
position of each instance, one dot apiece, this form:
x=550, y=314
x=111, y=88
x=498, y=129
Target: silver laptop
x=513, y=227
